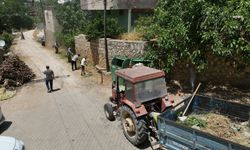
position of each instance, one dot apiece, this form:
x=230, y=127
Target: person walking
x=69, y=53
x=83, y=65
x=56, y=46
x=49, y=76
x=73, y=61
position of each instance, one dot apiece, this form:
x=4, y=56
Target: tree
x=189, y=30
x=75, y=21
x=14, y=14
x=71, y=17
x=95, y=27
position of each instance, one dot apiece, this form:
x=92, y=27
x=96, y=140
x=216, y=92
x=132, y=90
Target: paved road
x=71, y=118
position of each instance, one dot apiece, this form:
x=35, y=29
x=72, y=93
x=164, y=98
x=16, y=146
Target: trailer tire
x=108, y=110
x=137, y=133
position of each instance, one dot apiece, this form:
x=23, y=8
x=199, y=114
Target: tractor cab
x=139, y=85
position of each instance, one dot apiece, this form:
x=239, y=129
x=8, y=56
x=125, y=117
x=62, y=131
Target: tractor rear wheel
x=108, y=110
x=134, y=129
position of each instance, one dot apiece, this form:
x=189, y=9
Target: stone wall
x=218, y=71
x=87, y=48
x=82, y=45
x=95, y=50
x=120, y=47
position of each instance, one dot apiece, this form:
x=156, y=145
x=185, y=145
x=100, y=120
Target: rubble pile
x=14, y=72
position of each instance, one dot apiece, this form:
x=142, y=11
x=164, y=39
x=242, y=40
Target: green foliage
x=142, y=24
x=95, y=27
x=188, y=30
x=193, y=121
x=72, y=20
x=75, y=21
x=13, y=14
x=71, y=17
x=65, y=39
x=7, y=37
x=19, y=22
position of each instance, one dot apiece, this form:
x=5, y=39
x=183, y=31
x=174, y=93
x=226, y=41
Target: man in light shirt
x=83, y=64
x=73, y=62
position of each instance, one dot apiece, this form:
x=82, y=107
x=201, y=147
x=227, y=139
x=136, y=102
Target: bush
x=66, y=40
x=7, y=37
x=94, y=28
x=142, y=25
x=189, y=30
x=19, y=22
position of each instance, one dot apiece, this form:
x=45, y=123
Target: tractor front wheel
x=134, y=129
x=108, y=110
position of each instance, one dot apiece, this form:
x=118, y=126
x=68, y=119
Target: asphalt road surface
x=70, y=118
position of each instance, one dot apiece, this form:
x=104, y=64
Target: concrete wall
x=117, y=4
x=51, y=26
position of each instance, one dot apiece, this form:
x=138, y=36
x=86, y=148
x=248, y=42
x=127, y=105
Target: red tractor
x=137, y=94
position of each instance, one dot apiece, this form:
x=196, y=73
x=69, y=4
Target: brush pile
x=14, y=72
x=220, y=126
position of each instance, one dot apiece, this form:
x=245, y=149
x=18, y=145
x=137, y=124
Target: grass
x=191, y=121
x=5, y=94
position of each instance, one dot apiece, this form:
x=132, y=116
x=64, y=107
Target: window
x=129, y=91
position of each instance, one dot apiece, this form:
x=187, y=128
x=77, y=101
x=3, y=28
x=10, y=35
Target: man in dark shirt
x=49, y=76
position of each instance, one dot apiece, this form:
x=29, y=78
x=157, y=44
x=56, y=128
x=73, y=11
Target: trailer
x=175, y=136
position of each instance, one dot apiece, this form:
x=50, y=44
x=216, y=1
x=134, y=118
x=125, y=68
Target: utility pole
x=105, y=35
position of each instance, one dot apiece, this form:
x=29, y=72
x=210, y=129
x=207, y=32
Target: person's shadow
x=54, y=90
x=5, y=126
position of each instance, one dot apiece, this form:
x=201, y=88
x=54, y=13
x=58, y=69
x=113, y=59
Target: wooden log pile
x=14, y=72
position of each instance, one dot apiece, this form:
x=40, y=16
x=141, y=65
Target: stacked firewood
x=14, y=72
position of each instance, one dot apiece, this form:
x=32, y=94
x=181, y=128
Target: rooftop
x=140, y=73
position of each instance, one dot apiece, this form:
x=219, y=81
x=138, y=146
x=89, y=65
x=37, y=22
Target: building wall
x=117, y=4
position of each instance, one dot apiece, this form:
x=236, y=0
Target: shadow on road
x=42, y=79
x=5, y=126
x=54, y=90
x=144, y=145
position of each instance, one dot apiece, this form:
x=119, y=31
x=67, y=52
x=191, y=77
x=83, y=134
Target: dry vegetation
x=131, y=36
x=223, y=127
x=14, y=72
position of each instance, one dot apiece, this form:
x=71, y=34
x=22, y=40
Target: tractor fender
x=139, y=111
